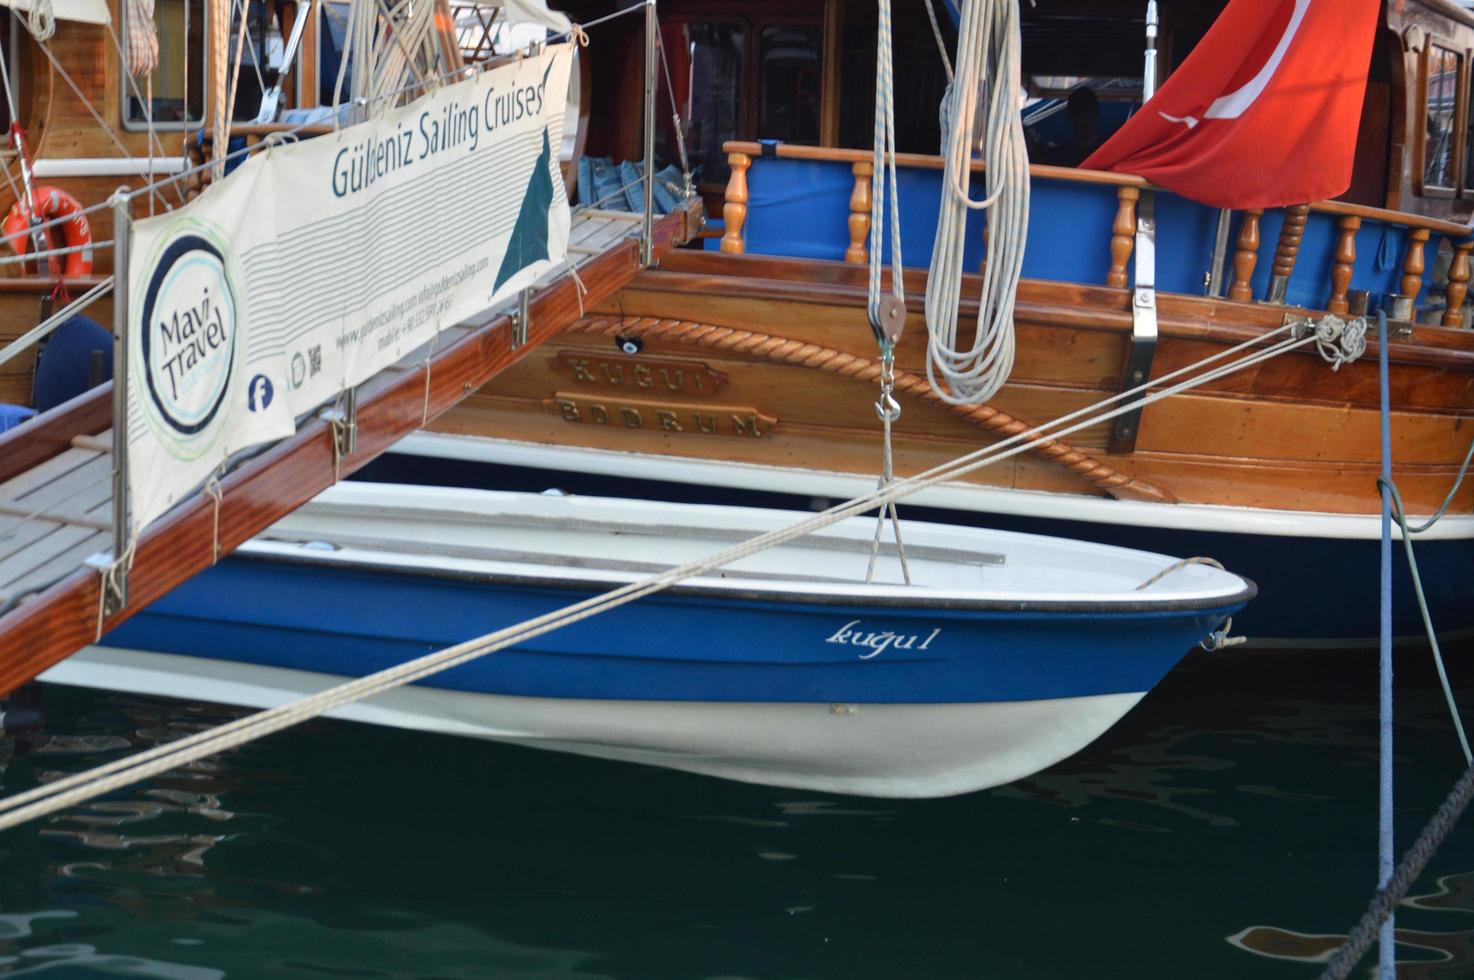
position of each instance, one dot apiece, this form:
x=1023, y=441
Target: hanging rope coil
x=41, y=20
x=982, y=112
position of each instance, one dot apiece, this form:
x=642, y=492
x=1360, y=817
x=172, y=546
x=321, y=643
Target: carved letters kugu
x=639, y=375
x=699, y=419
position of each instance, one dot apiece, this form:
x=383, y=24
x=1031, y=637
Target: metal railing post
x=1144, y=284
x=115, y=585
x=647, y=232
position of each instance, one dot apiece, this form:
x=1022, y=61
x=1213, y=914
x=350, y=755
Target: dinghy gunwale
x=590, y=582
x=327, y=522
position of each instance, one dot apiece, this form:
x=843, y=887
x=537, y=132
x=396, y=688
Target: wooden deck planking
x=55, y=468
x=17, y=533
x=24, y=566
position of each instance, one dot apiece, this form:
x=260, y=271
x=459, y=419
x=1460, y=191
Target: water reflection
x=1228, y=806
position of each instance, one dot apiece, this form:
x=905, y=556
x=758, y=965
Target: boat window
x=789, y=83
x=1468, y=182
x=332, y=34
x=261, y=52
x=705, y=60
x=1440, y=118
x=919, y=77
x=177, y=83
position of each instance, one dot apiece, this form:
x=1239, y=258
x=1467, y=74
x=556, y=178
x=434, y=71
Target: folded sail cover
x=1263, y=113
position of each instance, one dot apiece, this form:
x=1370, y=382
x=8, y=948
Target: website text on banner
x=317, y=264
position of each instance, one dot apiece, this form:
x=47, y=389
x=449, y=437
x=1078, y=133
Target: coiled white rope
x=41, y=20
x=71, y=790
x=987, y=111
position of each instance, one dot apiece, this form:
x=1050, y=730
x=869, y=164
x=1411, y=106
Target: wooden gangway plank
x=55, y=472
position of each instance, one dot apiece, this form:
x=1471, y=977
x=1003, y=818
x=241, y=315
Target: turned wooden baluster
x=734, y=209
x=859, y=213
x=1342, y=262
x=1123, y=235
x=1245, y=257
x=1413, y=263
x=1287, y=250
x=1458, y=284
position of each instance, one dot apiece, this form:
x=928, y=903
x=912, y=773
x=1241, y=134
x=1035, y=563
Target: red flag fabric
x=1262, y=113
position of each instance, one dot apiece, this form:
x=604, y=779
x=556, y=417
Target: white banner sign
x=317, y=264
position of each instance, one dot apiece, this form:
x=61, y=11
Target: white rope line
x=148, y=106
x=883, y=166
x=56, y=319
x=65, y=792
x=112, y=133
x=988, y=39
x=47, y=253
x=936, y=32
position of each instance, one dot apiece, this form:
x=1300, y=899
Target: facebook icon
x=258, y=393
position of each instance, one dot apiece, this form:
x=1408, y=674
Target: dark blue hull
x=669, y=647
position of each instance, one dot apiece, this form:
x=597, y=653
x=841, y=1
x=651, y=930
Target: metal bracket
x=521, y=318
x=345, y=423
x=1143, y=320
x=1300, y=325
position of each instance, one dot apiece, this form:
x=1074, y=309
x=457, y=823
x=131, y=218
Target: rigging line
x=9, y=95
x=235, y=76
x=153, y=138
x=675, y=113
x=1390, y=488
x=254, y=49
x=936, y=32
x=86, y=102
x=410, y=66
x=1443, y=507
x=41, y=329
x=47, y=253
x=64, y=792
x=293, y=131
x=1364, y=933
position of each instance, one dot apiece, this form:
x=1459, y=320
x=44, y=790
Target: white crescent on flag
x=1233, y=105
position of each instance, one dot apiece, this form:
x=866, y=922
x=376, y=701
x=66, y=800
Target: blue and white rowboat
x=1010, y=653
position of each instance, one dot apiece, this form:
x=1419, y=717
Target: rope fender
x=1104, y=476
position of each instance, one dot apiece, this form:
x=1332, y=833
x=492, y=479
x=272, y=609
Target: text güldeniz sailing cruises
x=356, y=167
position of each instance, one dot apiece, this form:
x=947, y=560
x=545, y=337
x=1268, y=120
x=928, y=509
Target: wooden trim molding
x=789, y=151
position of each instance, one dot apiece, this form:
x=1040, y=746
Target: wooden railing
x=1245, y=257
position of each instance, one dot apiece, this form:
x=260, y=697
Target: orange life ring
x=74, y=232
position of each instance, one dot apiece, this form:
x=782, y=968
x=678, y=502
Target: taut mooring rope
x=71, y=790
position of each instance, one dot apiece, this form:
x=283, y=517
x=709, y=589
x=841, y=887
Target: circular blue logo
x=189, y=334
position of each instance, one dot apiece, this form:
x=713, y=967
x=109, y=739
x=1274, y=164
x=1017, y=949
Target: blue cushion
x=64, y=370
x=13, y=415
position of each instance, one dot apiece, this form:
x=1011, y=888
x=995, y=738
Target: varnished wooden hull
x=771, y=361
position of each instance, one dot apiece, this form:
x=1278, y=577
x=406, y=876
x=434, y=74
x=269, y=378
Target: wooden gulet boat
x=1005, y=654
x=753, y=369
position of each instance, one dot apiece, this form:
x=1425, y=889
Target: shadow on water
x=1226, y=828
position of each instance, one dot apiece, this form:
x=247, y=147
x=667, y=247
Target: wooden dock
x=56, y=471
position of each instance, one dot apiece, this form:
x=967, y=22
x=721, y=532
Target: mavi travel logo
x=189, y=335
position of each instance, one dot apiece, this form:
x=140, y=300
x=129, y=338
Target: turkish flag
x=1262, y=113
